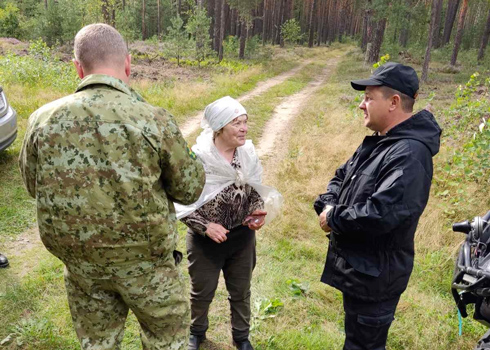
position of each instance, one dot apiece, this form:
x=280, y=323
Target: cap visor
x=360, y=85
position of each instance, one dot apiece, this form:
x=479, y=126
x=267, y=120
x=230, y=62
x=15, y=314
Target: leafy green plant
x=198, y=27
x=231, y=45
x=9, y=20
x=252, y=46
x=298, y=289
x=268, y=308
x=382, y=61
x=291, y=31
x=40, y=50
x=177, y=44
x=468, y=122
x=38, y=70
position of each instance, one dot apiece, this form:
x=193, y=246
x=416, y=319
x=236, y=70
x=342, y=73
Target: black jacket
x=378, y=197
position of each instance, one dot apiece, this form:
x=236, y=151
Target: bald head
x=100, y=46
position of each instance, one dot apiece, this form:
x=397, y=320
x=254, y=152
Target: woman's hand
x=217, y=232
x=256, y=220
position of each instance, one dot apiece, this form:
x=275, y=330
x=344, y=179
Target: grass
x=32, y=300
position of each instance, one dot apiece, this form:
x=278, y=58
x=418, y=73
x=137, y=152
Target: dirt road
x=277, y=127
x=193, y=124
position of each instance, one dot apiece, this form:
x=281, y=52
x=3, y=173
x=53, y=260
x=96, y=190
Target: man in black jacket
x=374, y=202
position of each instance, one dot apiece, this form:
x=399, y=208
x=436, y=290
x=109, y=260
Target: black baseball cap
x=394, y=75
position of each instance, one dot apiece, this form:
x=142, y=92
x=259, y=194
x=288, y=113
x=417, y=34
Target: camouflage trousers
x=158, y=299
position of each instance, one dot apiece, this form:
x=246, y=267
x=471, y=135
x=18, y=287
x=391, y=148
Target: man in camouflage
x=105, y=167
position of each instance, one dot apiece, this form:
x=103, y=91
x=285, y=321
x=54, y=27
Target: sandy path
x=285, y=112
x=194, y=123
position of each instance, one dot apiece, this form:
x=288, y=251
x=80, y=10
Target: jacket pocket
x=361, y=188
x=371, y=264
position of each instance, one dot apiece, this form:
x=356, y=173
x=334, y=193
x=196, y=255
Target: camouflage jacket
x=105, y=167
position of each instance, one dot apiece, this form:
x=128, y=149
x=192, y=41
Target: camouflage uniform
x=105, y=167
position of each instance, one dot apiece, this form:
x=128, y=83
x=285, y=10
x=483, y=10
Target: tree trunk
x=365, y=21
x=310, y=24
x=484, y=40
x=217, y=24
x=321, y=15
x=432, y=29
x=158, y=19
x=210, y=12
x=265, y=22
x=46, y=4
x=378, y=40
x=288, y=9
x=243, y=39
x=234, y=23
x=459, y=33
x=367, y=55
x=404, y=34
x=273, y=21
x=342, y=17
x=222, y=30
x=325, y=22
x=105, y=11
x=452, y=10
x=280, y=14
x=179, y=7
x=143, y=27
x=436, y=37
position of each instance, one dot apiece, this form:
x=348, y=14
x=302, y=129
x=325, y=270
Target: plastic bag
x=220, y=174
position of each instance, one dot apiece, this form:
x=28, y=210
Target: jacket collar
x=421, y=126
x=102, y=79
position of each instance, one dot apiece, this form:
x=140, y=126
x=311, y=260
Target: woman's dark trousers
x=236, y=257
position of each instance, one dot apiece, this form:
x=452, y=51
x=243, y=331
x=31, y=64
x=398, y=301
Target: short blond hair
x=98, y=45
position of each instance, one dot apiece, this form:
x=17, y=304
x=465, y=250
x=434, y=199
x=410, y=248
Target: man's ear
x=127, y=65
x=79, y=68
x=395, y=102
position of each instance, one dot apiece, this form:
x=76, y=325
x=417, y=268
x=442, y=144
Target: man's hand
x=256, y=220
x=323, y=219
x=217, y=232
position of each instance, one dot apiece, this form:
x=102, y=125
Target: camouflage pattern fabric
x=105, y=167
x=99, y=308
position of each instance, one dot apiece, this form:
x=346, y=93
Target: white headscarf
x=221, y=112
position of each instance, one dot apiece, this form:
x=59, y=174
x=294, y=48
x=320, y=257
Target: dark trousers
x=236, y=257
x=367, y=323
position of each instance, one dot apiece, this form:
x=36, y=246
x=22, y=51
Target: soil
x=13, y=45
x=25, y=241
x=146, y=63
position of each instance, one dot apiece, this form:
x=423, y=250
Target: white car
x=8, y=122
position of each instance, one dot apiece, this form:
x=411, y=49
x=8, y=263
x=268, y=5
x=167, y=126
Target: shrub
x=231, y=45
x=177, y=43
x=291, y=31
x=9, y=21
x=40, y=69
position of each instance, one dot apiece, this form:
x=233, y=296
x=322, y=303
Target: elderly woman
x=222, y=223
